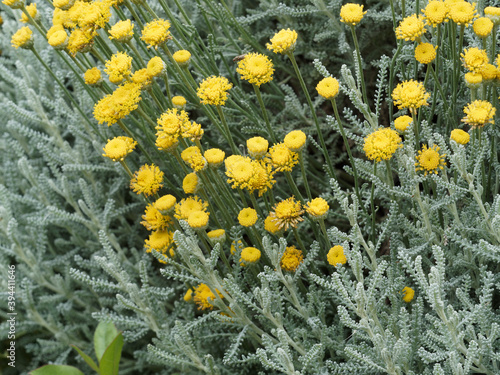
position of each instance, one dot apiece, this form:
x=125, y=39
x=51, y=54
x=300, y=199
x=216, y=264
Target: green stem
x=264, y=113
x=228, y=136
x=360, y=66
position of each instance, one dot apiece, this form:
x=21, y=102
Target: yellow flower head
x=408, y=294
x=317, y=208
x=257, y=147
x=493, y=13
x=122, y=31
x=142, y=78
x=118, y=67
x=382, y=144
x=61, y=17
x=247, y=217
x=287, y=213
x=179, y=102
x=489, y=72
x=435, y=13
x=80, y=40
x=165, y=204
x=173, y=122
x=270, y=225
x=336, y=256
x=188, y=296
x=429, y=160
x=161, y=241
x=204, y=297
x=198, y=220
x=473, y=80
x=283, y=41
x=291, y=259
x=147, y=180
x=192, y=156
x=410, y=94
x=156, y=32
x=249, y=255
x=155, y=66
x=182, y=57
x=479, y=113
x=214, y=157
x=166, y=142
x=94, y=14
x=118, y=148
x=351, y=14
x=328, y=88
x=216, y=236
x=239, y=171
x=425, y=53
x=23, y=38
x=463, y=13
x=295, y=140
x=119, y=104
x=460, y=136
x=31, y=9
x=58, y=39
x=282, y=158
x=154, y=219
x=474, y=58
x=213, y=90
x=483, y=27
x=190, y=183
x=187, y=205
x=402, y=123
x=256, y=68
x=411, y=28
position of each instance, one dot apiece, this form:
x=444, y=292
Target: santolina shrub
x=215, y=183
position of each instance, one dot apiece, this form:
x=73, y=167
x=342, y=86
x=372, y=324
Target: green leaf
x=111, y=358
x=104, y=335
x=87, y=359
x=56, y=370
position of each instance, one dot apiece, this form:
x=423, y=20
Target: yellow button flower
x=382, y=144
x=214, y=157
x=291, y=259
x=283, y=41
x=402, y=122
x=287, y=213
x=257, y=147
x=190, y=183
x=23, y=38
x=317, y=208
x=474, y=58
x=256, y=68
x=429, y=160
x=463, y=13
x=328, y=88
x=336, y=256
x=122, y=31
x=118, y=148
x=247, y=217
x=408, y=294
x=156, y=32
x=198, y=220
x=483, y=27
x=213, y=90
x=182, y=57
x=351, y=14
x=460, y=136
x=435, y=13
x=295, y=140
x=250, y=255
x=425, y=53
x=411, y=28
x=147, y=180
x=479, y=113
x=410, y=94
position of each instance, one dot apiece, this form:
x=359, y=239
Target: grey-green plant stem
x=264, y=113
x=227, y=132
x=360, y=66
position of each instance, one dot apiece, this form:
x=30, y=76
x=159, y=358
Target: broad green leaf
x=56, y=370
x=87, y=359
x=104, y=335
x=111, y=358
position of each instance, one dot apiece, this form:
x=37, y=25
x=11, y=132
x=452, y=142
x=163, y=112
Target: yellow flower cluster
x=436, y=12
x=429, y=160
x=213, y=90
x=189, y=205
x=256, y=68
x=156, y=32
x=119, y=67
x=248, y=174
x=204, y=297
x=287, y=213
x=474, y=59
x=479, y=113
x=410, y=94
x=118, y=148
x=283, y=41
x=23, y=38
x=122, y=31
x=147, y=180
x=317, y=208
x=411, y=28
x=463, y=12
x=425, y=53
x=119, y=104
x=351, y=14
x=282, y=158
x=291, y=259
x=249, y=255
x=382, y=144
x=328, y=88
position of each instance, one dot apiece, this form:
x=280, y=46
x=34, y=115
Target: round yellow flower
x=328, y=88
x=249, y=255
x=270, y=225
x=187, y=205
x=31, y=9
x=155, y=66
x=460, y=136
x=479, y=113
x=204, y=297
x=161, y=241
x=154, y=219
x=147, y=180
x=182, y=57
x=408, y=294
x=191, y=183
x=119, y=104
x=156, y=32
x=489, y=72
x=122, y=31
x=474, y=58
x=483, y=27
x=463, y=13
x=118, y=148
x=425, y=53
x=58, y=39
x=287, y=213
x=118, y=67
x=317, y=208
x=198, y=220
x=80, y=40
x=473, y=80
x=282, y=158
x=351, y=14
x=429, y=160
x=165, y=204
x=192, y=157
x=493, y=13
x=295, y=140
x=173, y=122
x=402, y=123
x=256, y=68
x=213, y=90
x=216, y=236
x=410, y=94
x=257, y=147
x=23, y=38
x=382, y=144
x=214, y=157
x=283, y=41
x=166, y=142
x=247, y=217
x=435, y=13
x=291, y=259
x=142, y=78
x=336, y=256
x=179, y=102
x=411, y=28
